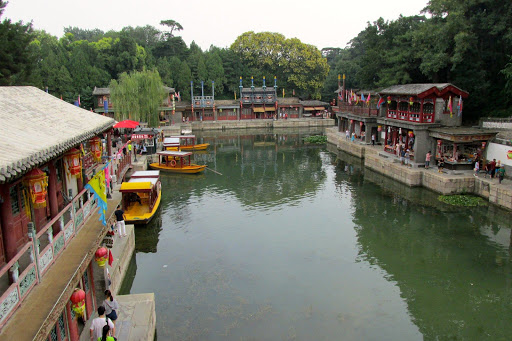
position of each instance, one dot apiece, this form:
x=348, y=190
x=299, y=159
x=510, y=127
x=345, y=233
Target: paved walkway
x=40, y=310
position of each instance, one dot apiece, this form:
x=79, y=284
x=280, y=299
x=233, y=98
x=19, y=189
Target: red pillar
x=52, y=196
x=109, y=143
x=7, y=224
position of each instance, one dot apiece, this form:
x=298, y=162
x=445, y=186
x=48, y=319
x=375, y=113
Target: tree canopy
x=465, y=42
x=137, y=96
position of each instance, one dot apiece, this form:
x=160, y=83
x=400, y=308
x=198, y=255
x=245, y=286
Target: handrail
x=20, y=253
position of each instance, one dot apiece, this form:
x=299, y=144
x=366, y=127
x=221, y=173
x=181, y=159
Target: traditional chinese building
x=419, y=117
x=258, y=103
x=49, y=149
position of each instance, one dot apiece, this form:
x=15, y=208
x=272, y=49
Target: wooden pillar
x=52, y=196
x=8, y=233
x=109, y=144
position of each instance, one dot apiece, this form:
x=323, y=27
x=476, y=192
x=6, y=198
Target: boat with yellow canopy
x=141, y=196
x=176, y=162
x=185, y=142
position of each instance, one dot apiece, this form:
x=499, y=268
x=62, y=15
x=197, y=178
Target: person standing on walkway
x=477, y=167
x=121, y=228
x=130, y=147
x=501, y=173
x=440, y=165
x=347, y=134
x=427, y=159
x=373, y=139
x=353, y=138
x=111, y=306
x=99, y=322
x=492, y=168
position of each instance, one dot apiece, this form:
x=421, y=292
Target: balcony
x=415, y=117
x=36, y=257
x=358, y=110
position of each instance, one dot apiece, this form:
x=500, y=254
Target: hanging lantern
x=74, y=163
x=95, y=143
x=411, y=100
x=351, y=121
x=78, y=302
x=361, y=123
x=379, y=128
x=37, y=183
x=101, y=256
x=389, y=99
x=411, y=134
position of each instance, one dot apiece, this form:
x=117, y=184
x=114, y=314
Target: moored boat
x=185, y=142
x=176, y=162
x=141, y=196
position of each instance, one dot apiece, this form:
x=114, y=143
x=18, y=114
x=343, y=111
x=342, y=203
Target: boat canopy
x=145, y=185
x=171, y=142
x=146, y=174
x=174, y=153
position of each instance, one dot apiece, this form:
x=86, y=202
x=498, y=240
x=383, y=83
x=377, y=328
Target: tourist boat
x=141, y=196
x=176, y=162
x=185, y=142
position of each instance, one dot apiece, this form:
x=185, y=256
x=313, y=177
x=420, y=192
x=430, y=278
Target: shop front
x=146, y=137
x=460, y=147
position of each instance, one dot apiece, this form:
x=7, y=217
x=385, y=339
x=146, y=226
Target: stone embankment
x=447, y=182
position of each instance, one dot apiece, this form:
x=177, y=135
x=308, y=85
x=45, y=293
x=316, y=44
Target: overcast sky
x=323, y=23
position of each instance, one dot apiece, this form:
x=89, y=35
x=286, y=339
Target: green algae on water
x=462, y=200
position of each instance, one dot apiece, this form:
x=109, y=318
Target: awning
x=309, y=108
x=270, y=109
x=258, y=110
x=136, y=186
x=319, y=108
x=127, y=124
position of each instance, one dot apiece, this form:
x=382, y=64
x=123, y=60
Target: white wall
x=499, y=152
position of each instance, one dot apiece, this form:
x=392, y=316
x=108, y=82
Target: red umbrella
x=127, y=124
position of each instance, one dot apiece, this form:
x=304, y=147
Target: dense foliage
x=465, y=42
x=316, y=139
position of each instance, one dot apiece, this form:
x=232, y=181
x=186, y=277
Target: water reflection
x=295, y=242
x=451, y=264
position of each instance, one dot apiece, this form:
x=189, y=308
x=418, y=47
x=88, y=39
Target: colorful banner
x=97, y=187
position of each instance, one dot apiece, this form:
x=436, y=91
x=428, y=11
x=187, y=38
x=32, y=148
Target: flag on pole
x=380, y=102
x=340, y=97
x=368, y=99
x=450, y=106
x=78, y=100
x=459, y=107
x=362, y=98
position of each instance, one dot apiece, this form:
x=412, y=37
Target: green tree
x=173, y=25
x=138, y=96
x=15, y=53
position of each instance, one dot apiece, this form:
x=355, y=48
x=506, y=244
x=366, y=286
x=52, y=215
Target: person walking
x=121, y=228
x=373, y=139
x=96, y=330
x=492, y=168
x=427, y=159
x=501, y=173
x=111, y=306
x=347, y=134
x=130, y=147
x=477, y=167
x=105, y=334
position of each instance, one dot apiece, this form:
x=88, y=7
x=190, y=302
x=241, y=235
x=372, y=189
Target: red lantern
x=379, y=128
x=389, y=99
x=74, y=163
x=95, y=143
x=101, y=256
x=351, y=121
x=361, y=123
x=78, y=302
x=37, y=183
x=411, y=134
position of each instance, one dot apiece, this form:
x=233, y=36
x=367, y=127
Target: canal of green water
x=299, y=242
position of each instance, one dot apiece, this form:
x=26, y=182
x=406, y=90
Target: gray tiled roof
x=36, y=126
x=313, y=103
x=413, y=89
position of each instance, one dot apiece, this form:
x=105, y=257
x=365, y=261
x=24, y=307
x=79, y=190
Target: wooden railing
x=122, y=165
x=34, y=262
x=410, y=116
x=359, y=110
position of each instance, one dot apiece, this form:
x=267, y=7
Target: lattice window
x=62, y=326
x=428, y=108
x=86, y=280
x=13, y=194
x=53, y=334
